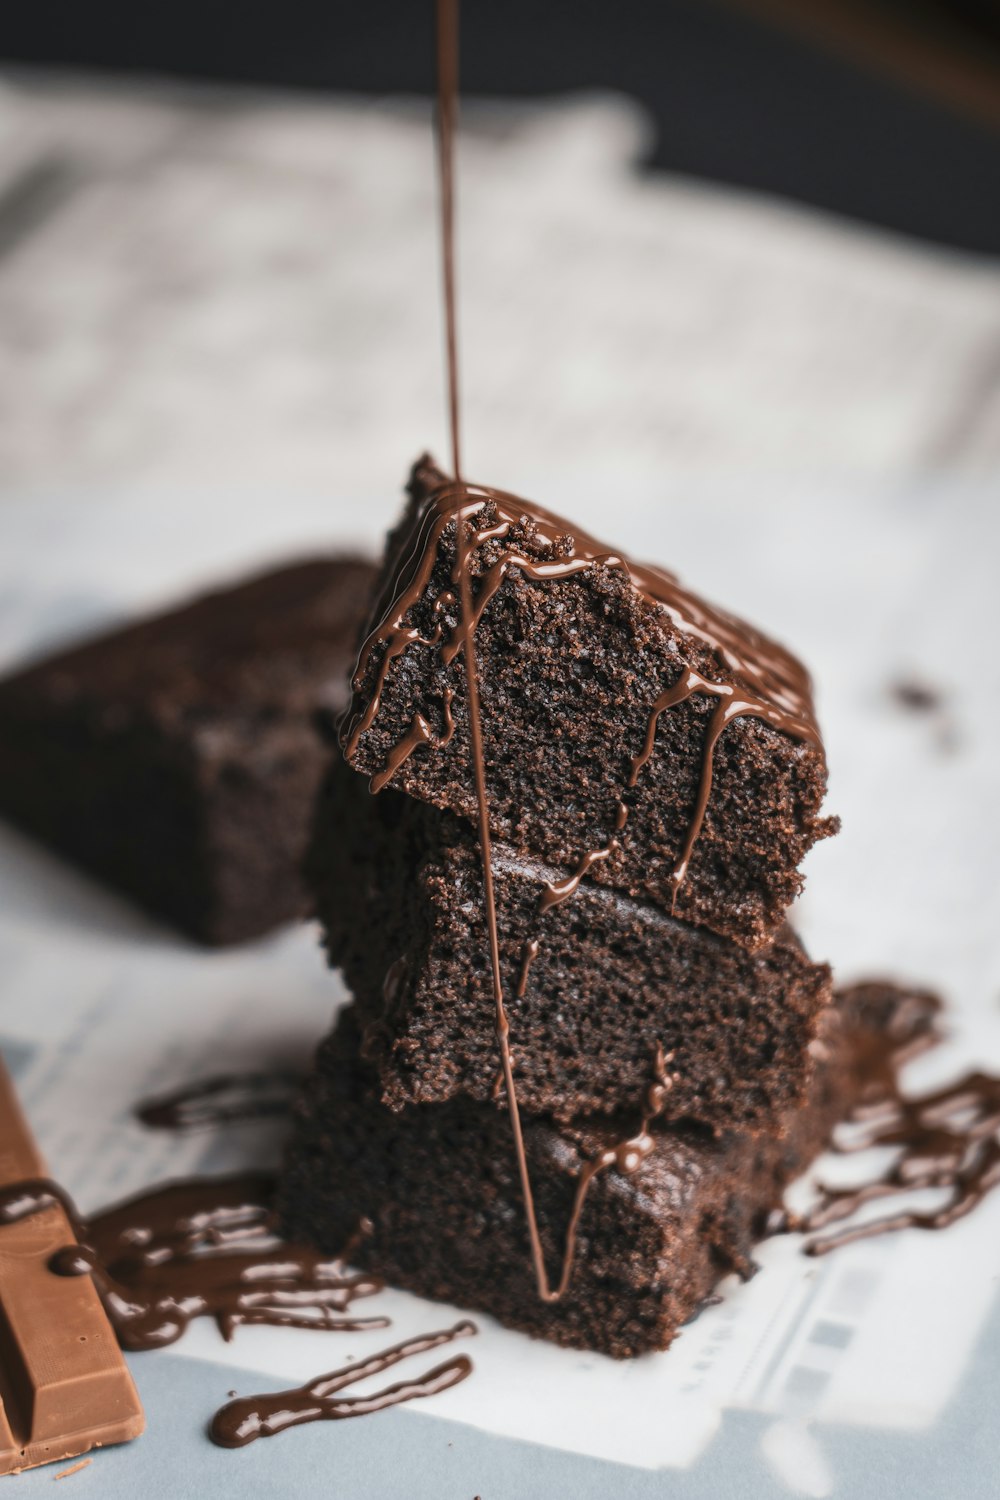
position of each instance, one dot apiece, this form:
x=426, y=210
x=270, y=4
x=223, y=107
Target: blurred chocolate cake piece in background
x=178, y=758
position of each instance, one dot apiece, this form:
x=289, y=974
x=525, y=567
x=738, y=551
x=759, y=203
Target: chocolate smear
x=250, y=1417
x=199, y=1248
x=948, y=1139
x=223, y=1099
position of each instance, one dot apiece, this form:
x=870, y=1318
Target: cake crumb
x=74, y=1469
x=920, y=698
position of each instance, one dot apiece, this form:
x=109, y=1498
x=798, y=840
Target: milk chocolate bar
x=64, y=1385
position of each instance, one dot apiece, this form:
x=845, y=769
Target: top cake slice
x=631, y=731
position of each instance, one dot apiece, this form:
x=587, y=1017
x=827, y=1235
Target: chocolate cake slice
x=177, y=758
x=439, y=1186
x=596, y=983
x=630, y=729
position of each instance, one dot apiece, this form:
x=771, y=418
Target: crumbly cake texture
x=570, y=668
x=178, y=760
x=399, y=891
x=438, y=1184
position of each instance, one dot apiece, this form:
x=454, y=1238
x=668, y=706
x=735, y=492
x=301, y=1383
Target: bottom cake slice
x=438, y=1185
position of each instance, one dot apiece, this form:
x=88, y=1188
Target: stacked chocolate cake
x=653, y=776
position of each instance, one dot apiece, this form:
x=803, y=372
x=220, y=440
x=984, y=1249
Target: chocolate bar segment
x=64, y=1385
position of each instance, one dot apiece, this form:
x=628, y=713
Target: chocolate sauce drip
x=731, y=705
x=221, y=1100
x=948, y=1139
x=251, y=1417
x=420, y=732
x=558, y=891
x=626, y=1156
x=203, y=1248
x=528, y=955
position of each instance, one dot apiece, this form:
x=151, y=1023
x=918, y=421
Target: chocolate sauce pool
x=196, y=1249
x=948, y=1139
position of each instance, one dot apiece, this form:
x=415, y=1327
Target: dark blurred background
x=883, y=110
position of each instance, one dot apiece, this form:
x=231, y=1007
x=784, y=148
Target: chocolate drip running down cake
x=598, y=981
x=630, y=730
x=439, y=1185
x=177, y=759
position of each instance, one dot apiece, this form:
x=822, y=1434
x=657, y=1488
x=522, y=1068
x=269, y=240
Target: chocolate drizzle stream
x=251, y=1417
x=447, y=41
x=627, y=1156
x=447, y=121
x=948, y=1139
x=201, y=1248
x=222, y=1099
x=464, y=636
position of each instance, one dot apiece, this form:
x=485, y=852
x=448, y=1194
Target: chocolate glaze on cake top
x=757, y=678
x=773, y=685
x=248, y=1418
x=277, y=642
